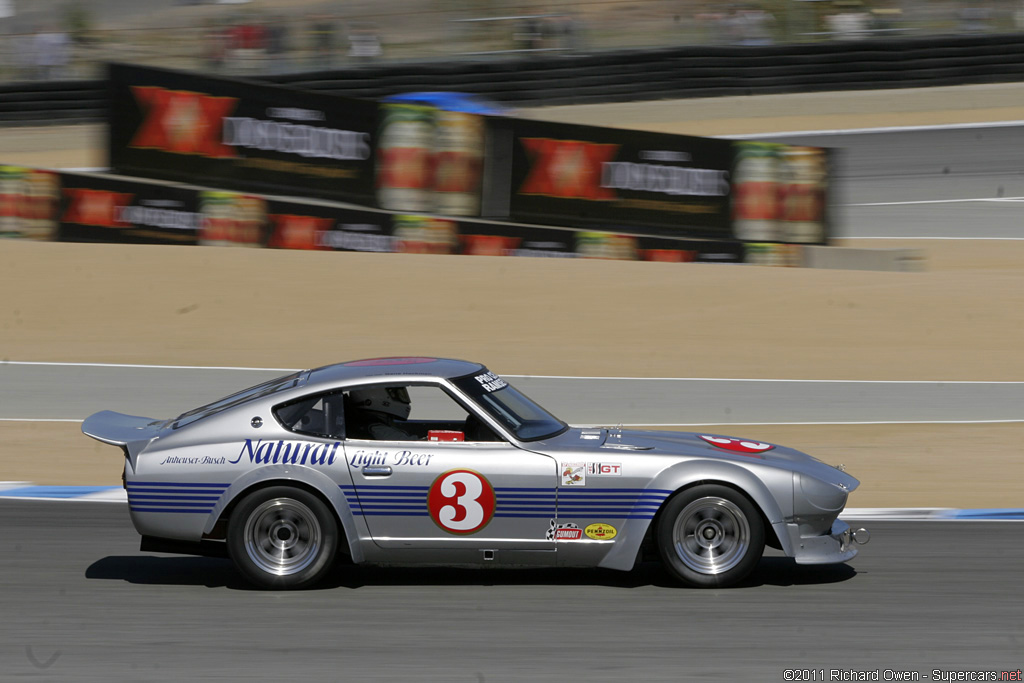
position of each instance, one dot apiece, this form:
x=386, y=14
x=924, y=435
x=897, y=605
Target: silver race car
x=406, y=461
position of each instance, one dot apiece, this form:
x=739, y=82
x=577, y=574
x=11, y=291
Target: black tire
x=710, y=536
x=282, y=538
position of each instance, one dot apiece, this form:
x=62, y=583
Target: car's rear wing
x=121, y=430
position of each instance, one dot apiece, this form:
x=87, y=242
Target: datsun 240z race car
x=409, y=461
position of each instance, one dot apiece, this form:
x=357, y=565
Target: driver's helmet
x=390, y=400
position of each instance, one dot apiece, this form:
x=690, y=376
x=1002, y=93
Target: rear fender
x=283, y=474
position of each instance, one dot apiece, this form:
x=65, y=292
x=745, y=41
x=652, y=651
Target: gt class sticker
x=461, y=502
x=737, y=445
x=604, y=469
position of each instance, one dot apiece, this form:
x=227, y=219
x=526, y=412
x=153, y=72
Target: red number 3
x=461, y=501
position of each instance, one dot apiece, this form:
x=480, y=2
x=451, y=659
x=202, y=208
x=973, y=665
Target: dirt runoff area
x=962, y=319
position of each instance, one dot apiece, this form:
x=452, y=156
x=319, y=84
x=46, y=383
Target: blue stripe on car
x=173, y=496
x=514, y=502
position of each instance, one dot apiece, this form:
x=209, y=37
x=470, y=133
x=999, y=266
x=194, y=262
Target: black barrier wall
x=616, y=76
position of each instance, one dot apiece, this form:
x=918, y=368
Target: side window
x=319, y=415
x=410, y=412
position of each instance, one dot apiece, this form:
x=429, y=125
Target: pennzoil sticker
x=600, y=532
x=574, y=474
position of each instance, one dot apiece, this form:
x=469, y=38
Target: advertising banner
x=29, y=203
x=429, y=160
x=781, y=193
x=417, y=234
x=231, y=219
x=100, y=208
x=240, y=135
x=96, y=208
x=629, y=181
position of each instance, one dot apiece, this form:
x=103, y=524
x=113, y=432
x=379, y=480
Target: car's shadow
x=220, y=573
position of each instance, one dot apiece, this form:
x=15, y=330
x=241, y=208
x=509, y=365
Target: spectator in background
x=571, y=38
x=975, y=17
x=321, y=37
x=215, y=46
x=527, y=35
x=277, y=44
x=247, y=41
x=750, y=26
x=364, y=42
x=51, y=51
x=850, y=21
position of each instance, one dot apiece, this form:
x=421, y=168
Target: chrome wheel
x=282, y=536
x=711, y=535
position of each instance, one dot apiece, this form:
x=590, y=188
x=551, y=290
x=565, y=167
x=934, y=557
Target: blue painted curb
x=993, y=514
x=63, y=492
x=89, y=493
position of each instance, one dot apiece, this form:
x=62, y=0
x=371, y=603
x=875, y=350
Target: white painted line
x=798, y=424
x=117, y=495
x=915, y=237
x=880, y=129
x=570, y=377
x=761, y=379
x=893, y=514
x=148, y=367
x=605, y=425
x=965, y=200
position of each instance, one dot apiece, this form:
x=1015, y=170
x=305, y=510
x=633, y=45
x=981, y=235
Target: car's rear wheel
x=282, y=537
x=710, y=536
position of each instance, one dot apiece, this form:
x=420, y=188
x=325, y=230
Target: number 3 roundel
x=461, y=501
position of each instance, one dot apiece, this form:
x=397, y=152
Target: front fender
x=294, y=473
x=770, y=489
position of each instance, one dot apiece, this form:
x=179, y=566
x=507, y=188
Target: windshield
x=269, y=387
x=516, y=412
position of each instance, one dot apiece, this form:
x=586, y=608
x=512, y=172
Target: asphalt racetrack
x=73, y=392
x=962, y=183
x=83, y=604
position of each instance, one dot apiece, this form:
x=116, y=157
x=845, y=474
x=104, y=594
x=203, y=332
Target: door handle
x=377, y=471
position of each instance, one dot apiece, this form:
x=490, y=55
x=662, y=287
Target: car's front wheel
x=282, y=537
x=710, y=536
